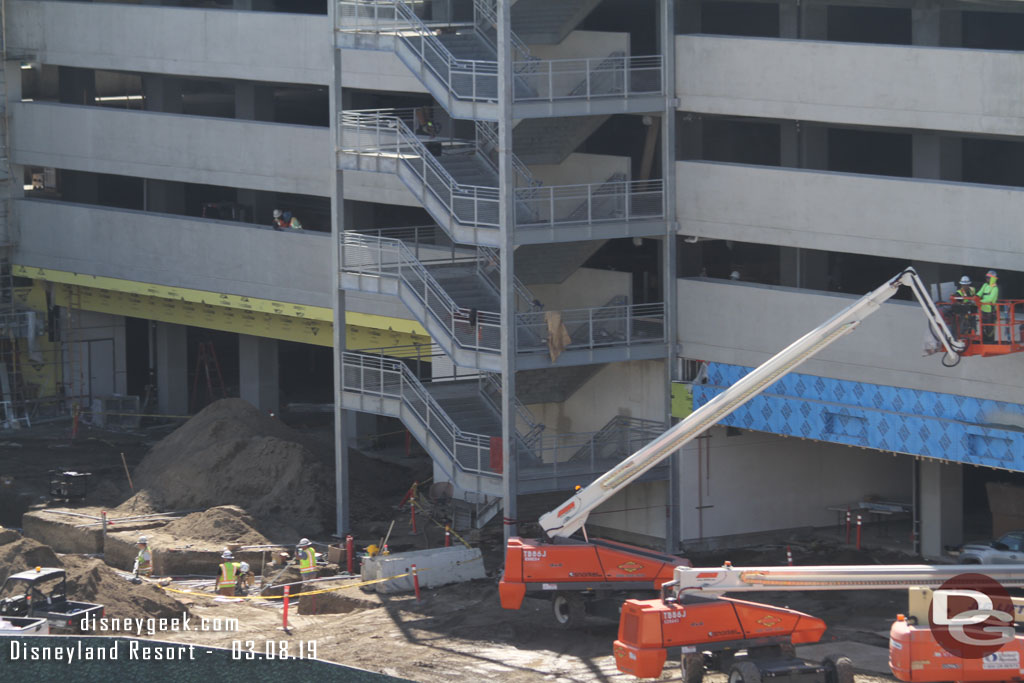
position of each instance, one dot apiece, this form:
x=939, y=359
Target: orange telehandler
x=751, y=641
x=594, y=576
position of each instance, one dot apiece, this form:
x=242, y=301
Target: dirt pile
x=223, y=524
x=18, y=554
x=92, y=581
x=232, y=454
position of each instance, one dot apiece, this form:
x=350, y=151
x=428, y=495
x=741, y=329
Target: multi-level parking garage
x=527, y=215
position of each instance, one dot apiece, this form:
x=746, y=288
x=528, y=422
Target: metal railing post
x=629, y=326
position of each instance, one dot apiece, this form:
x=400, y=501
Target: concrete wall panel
x=974, y=91
x=215, y=256
x=259, y=46
x=925, y=220
x=633, y=389
x=194, y=149
x=746, y=324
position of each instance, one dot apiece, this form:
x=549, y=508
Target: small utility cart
x=42, y=593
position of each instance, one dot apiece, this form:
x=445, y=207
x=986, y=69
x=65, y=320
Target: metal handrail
x=616, y=75
x=476, y=80
x=378, y=132
x=615, y=199
x=384, y=257
x=398, y=19
x=382, y=133
x=392, y=379
x=490, y=383
x=485, y=10
x=487, y=146
x=488, y=267
x=592, y=328
x=637, y=430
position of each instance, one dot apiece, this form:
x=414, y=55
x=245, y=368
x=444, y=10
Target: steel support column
x=342, y=524
x=673, y=526
x=506, y=185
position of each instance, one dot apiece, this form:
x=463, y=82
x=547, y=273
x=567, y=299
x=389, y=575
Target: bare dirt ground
x=457, y=632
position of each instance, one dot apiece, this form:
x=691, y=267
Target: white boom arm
x=569, y=517
x=729, y=579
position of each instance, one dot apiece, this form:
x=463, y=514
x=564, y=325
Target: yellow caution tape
x=291, y=595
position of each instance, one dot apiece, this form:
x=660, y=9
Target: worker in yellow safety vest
x=306, y=557
x=143, y=561
x=988, y=293
x=227, y=578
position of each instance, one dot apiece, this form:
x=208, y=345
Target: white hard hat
x=304, y=542
x=143, y=539
x=227, y=555
x=244, y=567
x=965, y=280
x=734, y=275
x=277, y=213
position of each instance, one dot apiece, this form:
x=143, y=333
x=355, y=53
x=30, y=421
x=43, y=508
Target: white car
x=1007, y=549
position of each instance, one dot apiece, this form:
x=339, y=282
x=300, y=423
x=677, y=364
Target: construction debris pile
x=225, y=524
x=232, y=454
x=18, y=553
x=89, y=579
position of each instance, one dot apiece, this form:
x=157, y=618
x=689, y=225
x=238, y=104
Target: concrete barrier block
x=436, y=567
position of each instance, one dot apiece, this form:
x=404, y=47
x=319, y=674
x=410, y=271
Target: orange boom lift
x=752, y=642
x=593, y=576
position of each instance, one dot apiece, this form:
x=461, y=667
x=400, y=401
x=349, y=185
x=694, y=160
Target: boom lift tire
x=838, y=669
x=744, y=672
x=569, y=609
x=693, y=667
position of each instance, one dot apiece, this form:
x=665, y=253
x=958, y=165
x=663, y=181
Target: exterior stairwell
x=543, y=22
x=550, y=141
x=538, y=264
x=385, y=386
x=552, y=385
x=455, y=68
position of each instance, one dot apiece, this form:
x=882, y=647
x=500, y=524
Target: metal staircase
x=472, y=336
x=542, y=22
x=455, y=423
x=453, y=62
x=551, y=140
x=382, y=141
x=553, y=263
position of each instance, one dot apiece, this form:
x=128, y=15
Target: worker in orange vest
x=227, y=578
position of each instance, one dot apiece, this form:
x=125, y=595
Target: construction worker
x=143, y=568
x=279, y=222
x=964, y=306
x=227, y=578
x=246, y=579
x=988, y=294
x=306, y=558
x=291, y=221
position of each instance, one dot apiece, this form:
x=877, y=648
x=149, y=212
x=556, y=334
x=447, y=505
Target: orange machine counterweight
x=535, y=567
x=648, y=628
x=914, y=655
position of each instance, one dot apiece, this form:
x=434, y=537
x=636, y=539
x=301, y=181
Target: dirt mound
x=333, y=603
x=92, y=581
x=223, y=524
x=19, y=554
x=232, y=454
